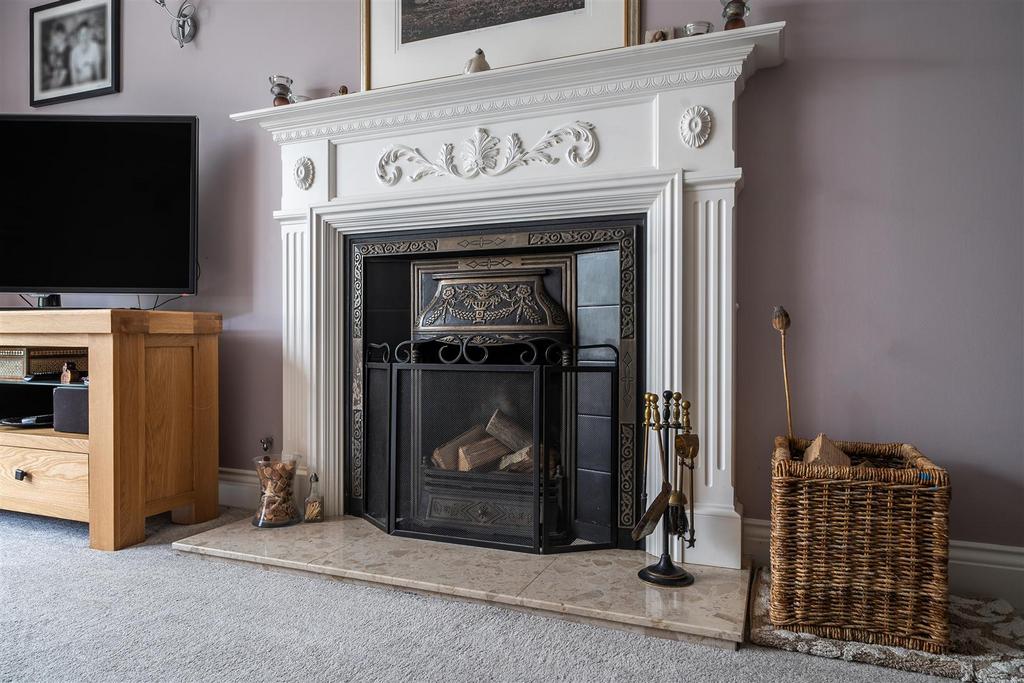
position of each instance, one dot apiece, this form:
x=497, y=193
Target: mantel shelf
x=755, y=47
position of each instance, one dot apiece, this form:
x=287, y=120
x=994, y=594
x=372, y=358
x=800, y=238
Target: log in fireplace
x=494, y=395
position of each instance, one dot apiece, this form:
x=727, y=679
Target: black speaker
x=71, y=410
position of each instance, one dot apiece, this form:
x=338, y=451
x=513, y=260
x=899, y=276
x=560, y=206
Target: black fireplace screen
x=378, y=444
x=453, y=478
x=516, y=456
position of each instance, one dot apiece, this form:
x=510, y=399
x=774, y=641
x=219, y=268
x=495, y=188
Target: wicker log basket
x=861, y=552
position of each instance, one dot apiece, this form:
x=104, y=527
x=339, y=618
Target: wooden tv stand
x=153, y=423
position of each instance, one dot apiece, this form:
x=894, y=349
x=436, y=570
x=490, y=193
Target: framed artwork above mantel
x=416, y=40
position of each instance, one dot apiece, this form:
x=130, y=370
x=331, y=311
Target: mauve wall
x=883, y=206
x=225, y=70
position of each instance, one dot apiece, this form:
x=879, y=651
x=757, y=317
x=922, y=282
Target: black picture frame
x=38, y=19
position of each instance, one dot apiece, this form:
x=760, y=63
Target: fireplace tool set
x=670, y=505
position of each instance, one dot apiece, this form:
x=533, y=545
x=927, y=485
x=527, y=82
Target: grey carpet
x=68, y=613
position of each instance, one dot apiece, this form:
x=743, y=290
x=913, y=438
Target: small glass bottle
x=314, y=501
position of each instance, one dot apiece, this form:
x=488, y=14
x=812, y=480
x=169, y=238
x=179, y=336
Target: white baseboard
x=975, y=569
x=239, y=488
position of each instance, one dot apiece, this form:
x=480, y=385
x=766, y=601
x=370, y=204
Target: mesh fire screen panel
x=464, y=463
x=579, y=437
x=377, y=394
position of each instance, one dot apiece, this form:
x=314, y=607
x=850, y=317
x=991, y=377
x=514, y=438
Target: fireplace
x=398, y=173
x=494, y=394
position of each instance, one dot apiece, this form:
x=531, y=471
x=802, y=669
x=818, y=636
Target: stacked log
x=517, y=461
x=517, y=439
x=446, y=457
x=481, y=455
x=505, y=430
x=502, y=445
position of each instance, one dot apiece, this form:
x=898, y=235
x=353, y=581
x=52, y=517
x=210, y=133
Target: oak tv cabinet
x=153, y=423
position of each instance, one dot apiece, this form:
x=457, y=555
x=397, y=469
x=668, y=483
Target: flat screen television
x=105, y=204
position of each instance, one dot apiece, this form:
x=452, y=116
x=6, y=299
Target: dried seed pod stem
x=780, y=321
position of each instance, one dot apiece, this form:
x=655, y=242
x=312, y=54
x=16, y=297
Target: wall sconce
x=185, y=24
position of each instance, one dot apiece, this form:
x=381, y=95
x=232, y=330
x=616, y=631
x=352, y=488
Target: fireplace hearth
x=494, y=393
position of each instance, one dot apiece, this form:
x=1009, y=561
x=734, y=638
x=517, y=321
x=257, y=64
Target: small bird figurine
x=477, y=63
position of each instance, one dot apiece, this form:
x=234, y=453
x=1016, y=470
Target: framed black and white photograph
x=415, y=40
x=75, y=50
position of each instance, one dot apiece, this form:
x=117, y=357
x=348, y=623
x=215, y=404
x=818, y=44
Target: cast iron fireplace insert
x=494, y=394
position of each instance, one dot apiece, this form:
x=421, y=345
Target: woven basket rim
x=916, y=464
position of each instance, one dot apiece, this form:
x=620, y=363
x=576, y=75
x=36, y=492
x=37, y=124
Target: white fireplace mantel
x=647, y=129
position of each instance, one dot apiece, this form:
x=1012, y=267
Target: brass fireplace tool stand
x=670, y=505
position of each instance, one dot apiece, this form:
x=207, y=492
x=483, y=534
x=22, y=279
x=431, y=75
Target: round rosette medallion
x=304, y=173
x=695, y=126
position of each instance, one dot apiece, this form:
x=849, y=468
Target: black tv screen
x=99, y=204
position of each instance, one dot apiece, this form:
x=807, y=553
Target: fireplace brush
x=677, y=524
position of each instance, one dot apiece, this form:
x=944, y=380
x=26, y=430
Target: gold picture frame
x=630, y=36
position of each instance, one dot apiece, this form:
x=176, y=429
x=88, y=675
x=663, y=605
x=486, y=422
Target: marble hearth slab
x=597, y=586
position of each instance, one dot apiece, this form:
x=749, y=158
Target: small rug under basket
x=987, y=641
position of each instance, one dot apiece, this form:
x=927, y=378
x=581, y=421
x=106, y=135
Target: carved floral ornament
x=485, y=154
x=304, y=173
x=695, y=126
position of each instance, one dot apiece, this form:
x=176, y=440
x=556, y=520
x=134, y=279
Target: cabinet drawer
x=56, y=484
